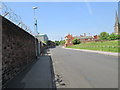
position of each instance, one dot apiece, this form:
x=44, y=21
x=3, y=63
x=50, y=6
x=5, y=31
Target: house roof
x=84, y=37
x=69, y=36
x=41, y=35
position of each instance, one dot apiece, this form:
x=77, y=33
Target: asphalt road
x=85, y=69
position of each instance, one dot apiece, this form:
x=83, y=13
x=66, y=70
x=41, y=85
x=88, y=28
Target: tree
x=48, y=42
x=45, y=42
x=62, y=42
x=118, y=36
x=57, y=43
x=112, y=37
x=104, y=36
x=75, y=41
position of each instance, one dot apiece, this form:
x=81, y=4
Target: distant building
x=51, y=44
x=86, y=38
x=82, y=38
x=68, y=40
x=42, y=37
x=117, y=25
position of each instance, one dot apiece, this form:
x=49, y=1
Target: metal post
x=35, y=29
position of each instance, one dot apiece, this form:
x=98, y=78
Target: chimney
x=84, y=34
x=81, y=35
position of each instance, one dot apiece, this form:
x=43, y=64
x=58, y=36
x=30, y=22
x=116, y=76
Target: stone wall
x=18, y=50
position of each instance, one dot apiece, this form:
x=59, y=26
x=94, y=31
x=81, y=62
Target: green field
x=109, y=46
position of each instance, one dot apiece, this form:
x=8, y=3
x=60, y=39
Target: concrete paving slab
x=37, y=75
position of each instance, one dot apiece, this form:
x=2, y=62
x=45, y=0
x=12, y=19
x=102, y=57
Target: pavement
x=37, y=75
x=79, y=69
x=94, y=51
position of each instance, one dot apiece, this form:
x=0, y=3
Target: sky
x=57, y=19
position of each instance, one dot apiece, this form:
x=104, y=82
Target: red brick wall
x=0, y=53
x=18, y=50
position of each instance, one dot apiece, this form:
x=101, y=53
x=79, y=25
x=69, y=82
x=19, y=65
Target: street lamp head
x=35, y=7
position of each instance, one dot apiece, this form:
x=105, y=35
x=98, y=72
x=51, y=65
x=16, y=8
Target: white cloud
x=89, y=7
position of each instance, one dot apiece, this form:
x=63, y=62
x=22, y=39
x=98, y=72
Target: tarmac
x=37, y=75
x=78, y=69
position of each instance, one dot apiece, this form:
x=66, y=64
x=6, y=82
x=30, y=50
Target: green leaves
x=60, y=42
x=75, y=41
x=112, y=37
x=104, y=36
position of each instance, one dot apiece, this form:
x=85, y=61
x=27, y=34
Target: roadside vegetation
x=109, y=46
x=107, y=36
x=109, y=43
x=75, y=41
x=62, y=42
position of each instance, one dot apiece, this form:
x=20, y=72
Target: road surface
x=85, y=69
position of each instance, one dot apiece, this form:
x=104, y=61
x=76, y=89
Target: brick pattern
x=18, y=50
x=68, y=40
x=0, y=53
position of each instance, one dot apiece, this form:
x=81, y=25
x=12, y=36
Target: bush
x=118, y=36
x=103, y=36
x=75, y=41
x=57, y=43
x=112, y=37
x=62, y=42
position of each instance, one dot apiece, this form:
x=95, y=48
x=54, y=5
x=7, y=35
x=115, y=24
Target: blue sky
x=57, y=19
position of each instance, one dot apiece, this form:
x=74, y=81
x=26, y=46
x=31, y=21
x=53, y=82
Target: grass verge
x=109, y=46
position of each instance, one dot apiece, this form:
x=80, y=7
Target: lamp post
x=35, y=29
x=35, y=21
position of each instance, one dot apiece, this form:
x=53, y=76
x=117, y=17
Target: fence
x=10, y=15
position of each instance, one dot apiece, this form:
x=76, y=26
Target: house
x=86, y=38
x=42, y=37
x=68, y=40
x=83, y=38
